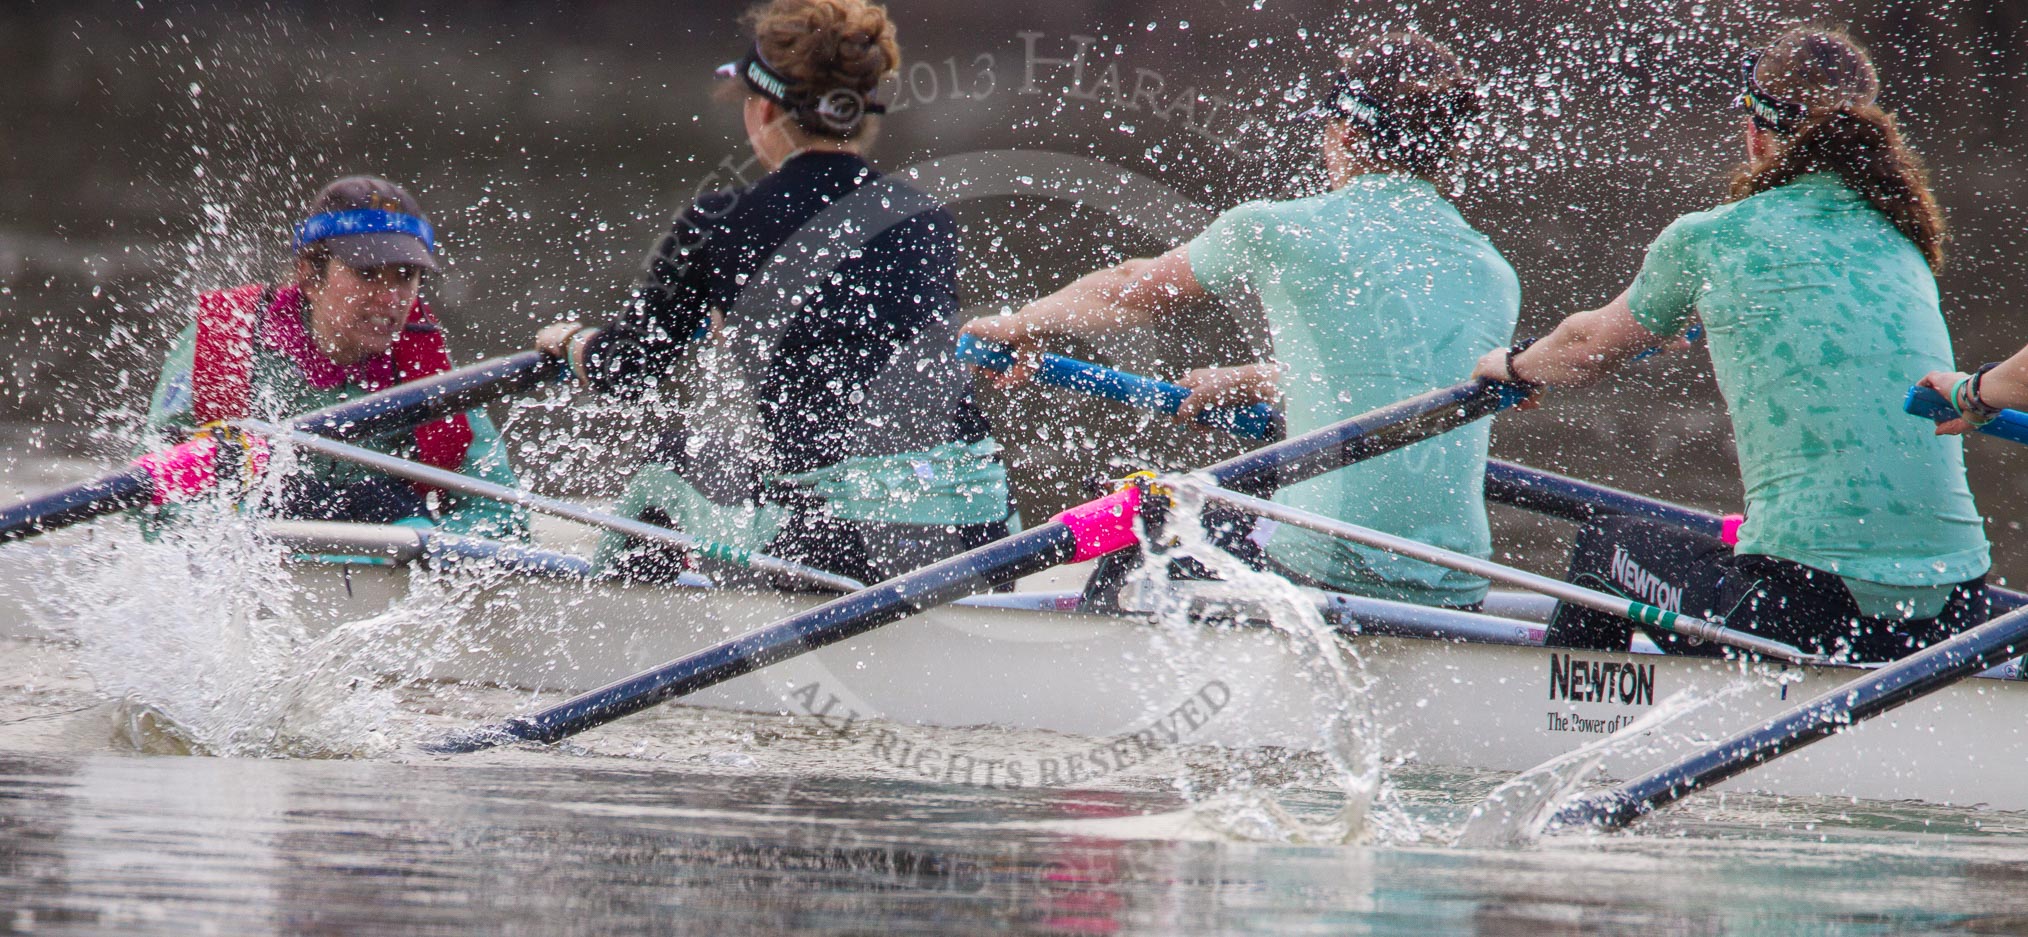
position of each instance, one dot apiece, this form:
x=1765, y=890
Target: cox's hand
x=1492, y=366
x=1008, y=331
x=1219, y=388
x=1943, y=382
x=554, y=338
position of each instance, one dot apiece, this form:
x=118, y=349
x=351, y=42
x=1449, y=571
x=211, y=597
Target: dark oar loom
x=1574, y=500
x=74, y=504
x=1579, y=501
x=1081, y=533
x=185, y=470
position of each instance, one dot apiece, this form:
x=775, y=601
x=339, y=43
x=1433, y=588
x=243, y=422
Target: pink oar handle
x=190, y=470
x=1104, y=525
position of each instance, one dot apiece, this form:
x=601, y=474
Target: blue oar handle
x=1254, y=422
x=2010, y=425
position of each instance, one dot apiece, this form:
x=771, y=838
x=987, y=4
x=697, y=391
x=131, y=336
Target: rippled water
x=566, y=842
x=693, y=820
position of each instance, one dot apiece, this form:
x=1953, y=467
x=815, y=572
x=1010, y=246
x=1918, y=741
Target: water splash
x=1347, y=734
x=1516, y=812
x=210, y=641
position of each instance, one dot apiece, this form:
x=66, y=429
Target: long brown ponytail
x=1830, y=78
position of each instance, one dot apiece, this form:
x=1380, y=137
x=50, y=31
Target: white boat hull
x=1128, y=689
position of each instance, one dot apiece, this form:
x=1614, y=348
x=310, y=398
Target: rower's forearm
x=2006, y=386
x=1263, y=379
x=1571, y=356
x=1095, y=304
x=1586, y=346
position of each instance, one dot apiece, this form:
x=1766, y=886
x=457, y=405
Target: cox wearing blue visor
x=347, y=320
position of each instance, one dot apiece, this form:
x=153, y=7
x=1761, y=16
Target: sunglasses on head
x=840, y=109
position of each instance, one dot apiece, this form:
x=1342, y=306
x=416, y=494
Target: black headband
x=1767, y=112
x=1349, y=102
x=839, y=110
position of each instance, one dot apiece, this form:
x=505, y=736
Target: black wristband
x=1514, y=377
x=1972, y=390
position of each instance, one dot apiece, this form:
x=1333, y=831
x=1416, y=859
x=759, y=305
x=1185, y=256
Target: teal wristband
x=1968, y=409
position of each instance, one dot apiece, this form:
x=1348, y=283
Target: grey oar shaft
x=1686, y=625
x=466, y=484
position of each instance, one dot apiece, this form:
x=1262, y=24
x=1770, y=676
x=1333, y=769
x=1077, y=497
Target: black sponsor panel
x=1659, y=564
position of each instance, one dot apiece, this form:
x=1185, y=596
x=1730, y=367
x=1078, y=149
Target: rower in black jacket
x=816, y=310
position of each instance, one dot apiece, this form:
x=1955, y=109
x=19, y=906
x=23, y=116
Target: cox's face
x=360, y=311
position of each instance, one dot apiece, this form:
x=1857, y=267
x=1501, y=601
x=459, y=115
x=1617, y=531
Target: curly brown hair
x=823, y=46
x=1843, y=131
x=1426, y=94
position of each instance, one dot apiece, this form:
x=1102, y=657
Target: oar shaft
x=1028, y=552
x=74, y=504
x=466, y=484
x=1581, y=501
x=1642, y=612
x=1362, y=437
x=1864, y=697
x=374, y=415
x=1090, y=530
x=406, y=544
x=392, y=542
x=407, y=405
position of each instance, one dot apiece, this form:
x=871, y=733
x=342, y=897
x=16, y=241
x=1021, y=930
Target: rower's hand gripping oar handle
x=1253, y=422
x=181, y=472
x=2010, y=425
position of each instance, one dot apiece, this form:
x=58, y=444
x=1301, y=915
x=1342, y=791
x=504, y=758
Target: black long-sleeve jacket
x=849, y=278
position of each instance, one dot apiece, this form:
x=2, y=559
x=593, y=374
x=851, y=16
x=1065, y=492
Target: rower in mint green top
x=1820, y=314
x=1372, y=291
